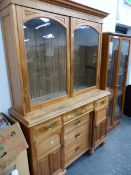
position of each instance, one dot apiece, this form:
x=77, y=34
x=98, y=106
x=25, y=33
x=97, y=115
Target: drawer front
x=103, y=102
x=100, y=116
x=77, y=147
x=76, y=123
x=77, y=112
x=47, y=128
x=75, y=134
x=47, y=145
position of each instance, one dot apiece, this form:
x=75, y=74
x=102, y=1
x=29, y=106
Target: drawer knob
x=77, y=135
x=77, y=122
x=52, y=142
x=77, y=149
x=102, y=102
x=47, y=127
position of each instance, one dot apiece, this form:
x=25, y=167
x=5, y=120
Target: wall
x=109, y=6
x=124, y=13
x=5, y=101
x=128, y=82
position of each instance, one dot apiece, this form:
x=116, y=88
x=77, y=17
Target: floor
x=114, y=158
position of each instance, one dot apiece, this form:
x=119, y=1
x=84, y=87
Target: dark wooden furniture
x=53, y=51
x=115, y=55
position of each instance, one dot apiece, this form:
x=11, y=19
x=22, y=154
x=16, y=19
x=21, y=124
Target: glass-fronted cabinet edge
x=115, y=53
x=49, y=74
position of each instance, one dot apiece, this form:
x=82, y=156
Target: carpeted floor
x=114, y=158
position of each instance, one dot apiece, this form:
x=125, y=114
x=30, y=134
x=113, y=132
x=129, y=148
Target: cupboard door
x=43, y=166
x=85, y=56
x=44, y=38
x=55, y=162
x=121, y=78
x=111, y=75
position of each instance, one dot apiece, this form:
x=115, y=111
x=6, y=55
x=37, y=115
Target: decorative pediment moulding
x=63, y=3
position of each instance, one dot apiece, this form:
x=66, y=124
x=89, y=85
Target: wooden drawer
x=45, y=146
x=75, y=134
x=83, y=143
x=47, y=128
x=76, y=123
x=77, y=112
x=100, y=116
x=102, y=103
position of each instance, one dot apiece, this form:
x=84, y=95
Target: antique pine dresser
x=53, y=51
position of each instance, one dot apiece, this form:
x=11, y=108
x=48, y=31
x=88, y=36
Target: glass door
x=121, y=78
x=44, y=49
x=85, y=55
x=111, y=75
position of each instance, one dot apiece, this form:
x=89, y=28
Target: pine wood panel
x=43, y=166
x=11, y=43
x=55, y=162
x=99, y=134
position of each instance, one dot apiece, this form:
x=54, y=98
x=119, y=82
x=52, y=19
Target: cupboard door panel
x=43, y=166
x=55, y=161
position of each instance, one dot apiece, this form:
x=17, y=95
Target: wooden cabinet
x=115, y=55
x=53, y=56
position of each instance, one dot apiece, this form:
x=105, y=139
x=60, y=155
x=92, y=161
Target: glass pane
x=109, y=112
x=121, y=77
x=112, y=60
x=118, y=107
x=45, y=41
x=85, y=57
x=123, y=64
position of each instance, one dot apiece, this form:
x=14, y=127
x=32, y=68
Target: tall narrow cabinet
x=53, y=51
x=115, y=55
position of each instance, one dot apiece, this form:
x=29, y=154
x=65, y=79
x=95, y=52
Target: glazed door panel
x=111, y=75
x=44, y=49
x=121, y=78
x=85, y=56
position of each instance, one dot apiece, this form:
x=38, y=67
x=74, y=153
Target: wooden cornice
x=63, y=3
x=117, y=34
x=78, y=7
